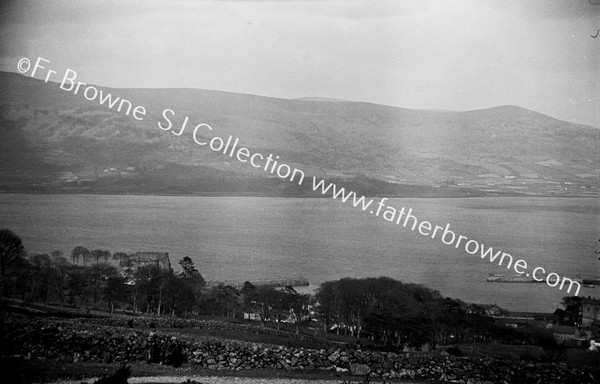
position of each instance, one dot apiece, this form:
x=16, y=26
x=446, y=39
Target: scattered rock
x=359, y=369
x=334, y=356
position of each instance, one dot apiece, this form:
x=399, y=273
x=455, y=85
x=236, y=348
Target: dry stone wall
x=77, y=341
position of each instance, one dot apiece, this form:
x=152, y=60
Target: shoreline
x=299, y=196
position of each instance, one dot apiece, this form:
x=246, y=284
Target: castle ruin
x=124, y=261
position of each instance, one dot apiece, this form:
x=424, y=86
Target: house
x=475, y=309
x=491, y=310
x=590, y=311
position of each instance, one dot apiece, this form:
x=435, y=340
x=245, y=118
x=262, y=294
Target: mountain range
x=54, y=140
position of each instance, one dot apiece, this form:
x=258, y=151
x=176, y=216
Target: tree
x=180, y=296
x=21, y=279
x=152, y=285
x=58, y=258
x=45, y=280
x=251, y=300
x=100, y=256
x=274, y=304
x=98, y=276
x=77, y=253
x=11, y=254
x=298, y=307
x=327, y=303
x=114, y=290
x=388, y=310
x=192, y=278
x=145, y=281
x=78, y=284
x=190, y=274
x=189, y=269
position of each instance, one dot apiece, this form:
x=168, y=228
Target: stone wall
x=91, y=341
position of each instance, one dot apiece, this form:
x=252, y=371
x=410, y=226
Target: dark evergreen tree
x=12, y=254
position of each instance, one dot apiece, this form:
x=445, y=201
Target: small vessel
x=588, y=281
x=516, y=278
x=591, y=280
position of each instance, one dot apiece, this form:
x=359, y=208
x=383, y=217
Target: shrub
x=175, y=356
x=454, y=351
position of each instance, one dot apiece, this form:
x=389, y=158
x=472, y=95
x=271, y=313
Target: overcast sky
x=455, y=54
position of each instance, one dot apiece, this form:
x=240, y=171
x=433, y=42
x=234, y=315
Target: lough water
x=246, y=238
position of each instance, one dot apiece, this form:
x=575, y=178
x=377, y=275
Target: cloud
x=550, y=9
x=461, y=54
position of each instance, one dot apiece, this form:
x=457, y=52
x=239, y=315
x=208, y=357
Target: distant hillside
x=319, y=99
x=50, y=137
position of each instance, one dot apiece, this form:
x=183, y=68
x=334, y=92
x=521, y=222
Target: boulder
x=359, y=369
x=334, y=357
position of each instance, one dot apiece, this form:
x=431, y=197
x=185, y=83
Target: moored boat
x=516, y=278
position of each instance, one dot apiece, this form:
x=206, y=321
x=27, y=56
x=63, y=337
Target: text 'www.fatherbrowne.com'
x=444, y=234
x=203, y=135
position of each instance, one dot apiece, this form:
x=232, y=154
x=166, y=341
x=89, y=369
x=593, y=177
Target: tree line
x=384, y=310
x=51, y=278
x=396, y=314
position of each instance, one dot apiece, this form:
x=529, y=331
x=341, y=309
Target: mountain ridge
x=479, y=149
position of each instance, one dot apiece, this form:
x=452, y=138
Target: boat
x=586, y=281
x=591, y=280
x=516, y=278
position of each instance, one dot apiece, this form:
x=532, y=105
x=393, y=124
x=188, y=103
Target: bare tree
x=12, y=254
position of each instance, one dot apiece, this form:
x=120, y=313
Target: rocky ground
x=108, y=341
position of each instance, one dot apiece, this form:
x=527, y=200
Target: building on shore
x=491, y=310
x=590, y=311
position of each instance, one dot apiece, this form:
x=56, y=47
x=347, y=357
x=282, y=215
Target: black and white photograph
x=300, y=191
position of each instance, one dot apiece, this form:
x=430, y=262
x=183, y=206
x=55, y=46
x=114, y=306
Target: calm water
x=243, y=238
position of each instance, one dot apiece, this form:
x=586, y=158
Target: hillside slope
x=49, y=135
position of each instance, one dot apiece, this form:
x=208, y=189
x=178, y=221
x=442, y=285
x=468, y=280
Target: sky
x=451, y=55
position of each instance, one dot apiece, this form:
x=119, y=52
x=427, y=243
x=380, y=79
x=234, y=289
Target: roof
x=590, y=300
x=489, y=306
